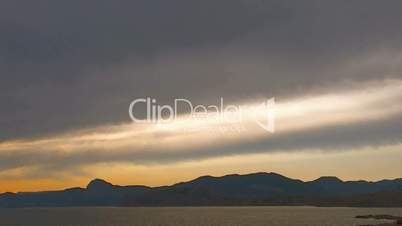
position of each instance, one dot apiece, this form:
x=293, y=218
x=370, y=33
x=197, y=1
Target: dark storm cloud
x=71, y=64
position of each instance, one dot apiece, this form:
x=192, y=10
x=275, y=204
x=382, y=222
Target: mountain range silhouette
x=230, y=190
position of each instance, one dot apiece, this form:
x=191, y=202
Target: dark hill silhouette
x=250, y=189
x=99, y=184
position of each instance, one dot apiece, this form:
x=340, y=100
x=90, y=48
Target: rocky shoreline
x=397, y=220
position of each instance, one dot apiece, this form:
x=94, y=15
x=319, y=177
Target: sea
x=191, y=216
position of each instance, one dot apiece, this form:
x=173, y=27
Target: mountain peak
x=8, y=194
x=99, y=184
x=328, y=179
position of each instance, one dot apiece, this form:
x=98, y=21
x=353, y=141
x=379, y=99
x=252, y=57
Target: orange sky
x=305, y=165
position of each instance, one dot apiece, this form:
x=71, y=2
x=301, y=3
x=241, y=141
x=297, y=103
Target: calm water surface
x=190, y=216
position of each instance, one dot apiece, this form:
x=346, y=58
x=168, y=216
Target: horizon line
x=203, y=176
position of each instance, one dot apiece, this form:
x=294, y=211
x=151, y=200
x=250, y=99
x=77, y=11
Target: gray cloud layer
x=72, y=64
x=331, y=138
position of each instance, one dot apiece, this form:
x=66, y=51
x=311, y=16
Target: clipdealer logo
x=230, y=114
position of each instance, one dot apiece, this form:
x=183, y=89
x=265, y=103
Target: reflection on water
x=190, y=216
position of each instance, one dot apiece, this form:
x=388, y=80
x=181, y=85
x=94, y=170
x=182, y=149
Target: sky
x=69, y=71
